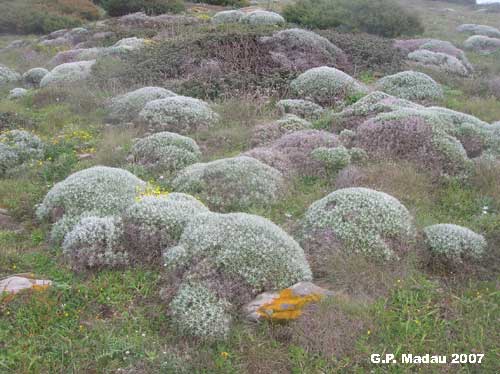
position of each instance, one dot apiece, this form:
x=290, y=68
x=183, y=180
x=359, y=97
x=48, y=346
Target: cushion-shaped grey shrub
x=482, y=44
x=410, y=135
x=8, y=75
x=33, y=77
x=17, y=93
x=227, y=16
x=18, y=147
x=156, y=222
x=479, y=30
x=439, y=61
x=263, y=17
x=95, y=242
x=179, y=114
x=411, y=85
x=165, y=153
x=334, y=159
x=302, y=108
x=443, y=46
x=68, y=73
x=230, y=183
x=269, y=132
x=126, y=107
x=372, y=104
x=235, y=257
x=455, y=243
x=327, y=85
x=197, y=311
x=99, y=189
x=291, y=154
x=361, y=220
x=297, y=49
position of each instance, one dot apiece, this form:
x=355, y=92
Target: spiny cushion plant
x=327, y=85
x=197, y=311
x=68, y=73
x=100, y=189
x=334, y=159
x=411, y=85
x=291, y=154
x=439, y=61
x=34, y=76
x=227, y=16
x=406, y=134
x=479, y=30
x=235, y=256
x=454, y=243
x=262, y=17
x=179, y=114
x=17, y=93
x=165, y=153
x=269, y=132
x=156, y=222
x=18, y=147
x=372, y=104
x=95, y=242
x=297, y=49
x=361, y=220
x=482, y=44
x=302, y=108
x=230, y=183
x=126, y=107
x=8, y=75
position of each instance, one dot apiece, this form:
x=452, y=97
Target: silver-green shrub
x=68, y=73
x=8, y=75
x=95, y=242
x=262, y=17
x=334, y=159
x=482, y=44
x=439, y=61
x=361, y=220
x=156, y=222
x=227, y=16
x=33, y=77
x=18, y=147
x=223, y=261
x=302, y=108
x=99, y=189
x=479, y=30
x=126, y=107
x=165, y=153
x=455, y=243
x=239, y=182
x=327, y=85
x=179, y=114
x=411, y=85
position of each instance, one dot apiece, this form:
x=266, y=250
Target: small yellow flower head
x=224, y=355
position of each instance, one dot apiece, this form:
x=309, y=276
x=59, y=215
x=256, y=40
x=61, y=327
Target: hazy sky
x=487, y=1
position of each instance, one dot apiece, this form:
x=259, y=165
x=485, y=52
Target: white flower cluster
x=326, y=85
x=411, y=85
x=483, y=44
x=179, y=114
x=454, y=243
x=156, y=222
x=165, y=152
x=17, y=147
x=438, y=60
x=68, y=73
x=8, y=75
x=479, y=30
x=197, y=311
x=100, y=189
x=126, y=107
x=95, y=242
x=263, y=17
x=302, y=108
x=364, y=220
x=231, y=183
x=227, y=16
x=334, y=159
x=33, y=77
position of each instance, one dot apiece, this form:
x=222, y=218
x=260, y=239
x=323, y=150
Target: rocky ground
x=220, y=191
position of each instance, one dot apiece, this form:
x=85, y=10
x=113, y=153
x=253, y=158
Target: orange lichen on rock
x=288, y=305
